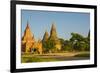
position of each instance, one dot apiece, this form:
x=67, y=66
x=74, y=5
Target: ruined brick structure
x=29, y=45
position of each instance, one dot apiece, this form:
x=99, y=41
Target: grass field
x=65, y=56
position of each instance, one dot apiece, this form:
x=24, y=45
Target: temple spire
x=53, y=33
x=45, y=37
x=27, y=39
x=53, y=26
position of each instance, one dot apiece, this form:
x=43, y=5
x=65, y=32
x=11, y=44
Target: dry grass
x=54, y=56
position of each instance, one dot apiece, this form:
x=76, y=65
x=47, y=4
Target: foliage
x=67, y=46
x=77, y=42
x=49, y=46
x=80, y=43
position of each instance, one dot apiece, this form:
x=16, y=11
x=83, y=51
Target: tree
x=79, y=42
x=49, y=46
x=68, y=46
x=76, y=37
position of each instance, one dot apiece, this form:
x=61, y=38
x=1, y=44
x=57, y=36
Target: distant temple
x=53, y=37
x=28, y=42
x=30, y=45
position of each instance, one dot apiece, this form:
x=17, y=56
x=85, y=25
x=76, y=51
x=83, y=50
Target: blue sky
x=65, y=22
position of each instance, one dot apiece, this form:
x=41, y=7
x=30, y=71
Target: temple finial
x=53, y=25
x=27, y=23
